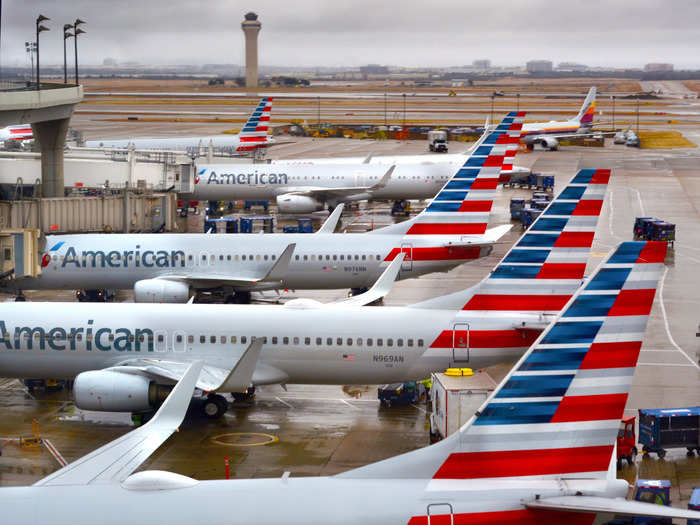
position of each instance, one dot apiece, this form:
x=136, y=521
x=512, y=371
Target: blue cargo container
x=516, y=208
x=694, y=504
x=660, y=429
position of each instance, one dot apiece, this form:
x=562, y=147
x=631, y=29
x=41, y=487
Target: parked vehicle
x=660, y=429
x=455, y=396
x=694, y=504
x=303, y=226
x=400, y=393
x=100, y=295
x=437, y=141
x=626, y=442
x=516, y=208
x=656, y=491
x=652, y=229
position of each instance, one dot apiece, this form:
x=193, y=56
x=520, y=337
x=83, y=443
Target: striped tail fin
x=463, y=205
x=254, y=132
x=557, y=413
x=587, y=113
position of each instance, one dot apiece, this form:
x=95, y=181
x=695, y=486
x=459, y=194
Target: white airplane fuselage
x=232, y=142
x=296, y=501
x=307, y=345
x=320, y=261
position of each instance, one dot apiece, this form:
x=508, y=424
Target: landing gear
x=244, y=396
x=358, y=291
x=241, y=298
x=214, y=406
x=20, y=297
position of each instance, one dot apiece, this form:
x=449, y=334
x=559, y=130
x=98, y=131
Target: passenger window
x=250, y=257
x=160, y=338
x=313, y=257
x=364, y=257
x=328, y=257
x=339, y=341
x=359, y=341
x=296, y=257
x=264, y=340
x=357, y=257
x=243, y=339
x=233, y=339
x=342, y=257
x=319, y=341
x=380, y=342
x=306, y=257
x=399, y=342
x=235, y=257
x=329, y=341
x=369, y=341
x=349, y=341
x=228, y=257
x=212, y=258
x=190, y=339
x=274, y=257
x=420, y=342
x=178, y=338
x=409, y=342
x=243, y=257
x=307, y=341
x=296, y=340
x=379, y=258
x=221, y=257
x=266, y=257
x=389, y=342
x=212, y=339
x=285, y=340
x=257, y=257
x=202, y=339
x=335, y=257
x=223, y=339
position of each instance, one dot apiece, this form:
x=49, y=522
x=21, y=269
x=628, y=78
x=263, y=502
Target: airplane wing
x=211, y=378
x=115, y=461
x=595, y=504
x=276, y=274
x=325, y=193
x=380, y=288
x=332, y=220
x=490, y=236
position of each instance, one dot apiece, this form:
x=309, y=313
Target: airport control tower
x=251, y=27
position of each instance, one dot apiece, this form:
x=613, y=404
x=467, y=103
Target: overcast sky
x=357, y=32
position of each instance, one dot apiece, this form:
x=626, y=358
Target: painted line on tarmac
x=419, y=408
x=54, y=452
x=639, y=199
x=284, y=403
x=668, y=329
x=666, y=364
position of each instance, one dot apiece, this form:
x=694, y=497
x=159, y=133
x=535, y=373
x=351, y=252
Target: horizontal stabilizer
x=610, y=505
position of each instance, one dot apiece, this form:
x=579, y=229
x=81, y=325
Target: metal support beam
x=51, y=137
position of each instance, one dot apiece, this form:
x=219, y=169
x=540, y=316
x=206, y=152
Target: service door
x=407, y=264
x=436, y=511
x=460, y=343
x=360, y=179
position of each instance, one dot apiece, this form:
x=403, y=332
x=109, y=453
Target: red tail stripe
x=517, y=302
x=653, y=252
x=498, y=464
x=264, y=119
x=485, y=184
x=562, y=271
x=252, y=139
x=447, y=228
x=493, y=160
x=467, y=206
x=633, y=302
x=488, y=338
x=506, y=139
x=588, y=207
x=590, y=408
x=442, y=253
x=600, y=177
x=611, y=355
x=574, y=240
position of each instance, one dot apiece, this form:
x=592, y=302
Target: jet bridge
x=20, y=249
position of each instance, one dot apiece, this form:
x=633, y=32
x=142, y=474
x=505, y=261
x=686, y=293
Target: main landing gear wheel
x=241, y=298
x=214, y=406
x=244, y=396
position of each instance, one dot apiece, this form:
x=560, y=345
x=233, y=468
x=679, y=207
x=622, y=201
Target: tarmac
x=324, y=430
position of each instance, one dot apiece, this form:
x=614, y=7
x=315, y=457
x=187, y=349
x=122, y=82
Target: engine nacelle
x=108, y=391
x=161, y=291
x=289, y=203
x=550, y=143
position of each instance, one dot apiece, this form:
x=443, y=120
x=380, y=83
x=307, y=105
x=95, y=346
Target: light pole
x=385, y=121
x=30, y=47
x=518, y=99
x=492, y=107
x=404, y=112
x=39, y=29
x=637, y=116
x=318, y=125
x=613, y=115
x=77, y=31
x=66, y=35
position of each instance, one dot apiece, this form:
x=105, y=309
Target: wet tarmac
x=329, y=429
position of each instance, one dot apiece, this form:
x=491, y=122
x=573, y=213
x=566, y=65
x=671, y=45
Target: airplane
x=301, y=186
x=21, y=132
x=123, y=356
x=169, y=267
x=252, y=136
x=541, y=449
x=548, y=134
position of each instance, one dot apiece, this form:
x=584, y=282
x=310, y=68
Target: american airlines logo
x=92, y=338
x=243, y=178
x=122, y=259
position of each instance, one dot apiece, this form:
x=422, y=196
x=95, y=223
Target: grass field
x=663, y=140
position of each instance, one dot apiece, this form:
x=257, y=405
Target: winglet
x=385, y=179
x=117, y=459
x=380, y=288
x=240, y=376
x=332, y=220
x=368, y=158
x=279, y=270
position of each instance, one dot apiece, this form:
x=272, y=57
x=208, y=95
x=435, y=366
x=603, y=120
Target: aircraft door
x=460, y=343
x=360, y=179
x=407, y=264
x=179, y=341
x=438, y=510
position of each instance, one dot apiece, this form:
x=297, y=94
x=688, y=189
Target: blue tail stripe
x=508, y=271
x=609, y=279
x=572, y=333
x=527, y=256
x=451, y=196
x=539, y=241
x=583, y=176
x=572, y=193
x=536, y=386
x=590, y=306
x=561, y=208
x=517, y=413
x=626, y=253
x=549, y=225
x=459, y=185
x=542, y=359
x=444, y=206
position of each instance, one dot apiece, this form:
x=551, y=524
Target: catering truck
x=437, y=141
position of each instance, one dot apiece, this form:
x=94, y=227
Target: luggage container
x=660, y=429
x=455, y=399
x=516, y=208
x=694, y=504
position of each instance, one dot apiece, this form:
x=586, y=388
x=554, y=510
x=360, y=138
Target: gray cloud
x=309, y=32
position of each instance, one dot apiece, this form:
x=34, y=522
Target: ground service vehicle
x=655, y=491
x=626, y=442
x=664, y=428
x=437, y=141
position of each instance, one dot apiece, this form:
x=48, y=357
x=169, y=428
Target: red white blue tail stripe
x=545, y=267
x=463, y=205
x=254, y=132
x=558, y=411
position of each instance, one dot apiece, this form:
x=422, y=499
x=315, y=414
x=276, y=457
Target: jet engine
x=289, y=203
x=109, y=391
x=161, y=291
x=549, y=143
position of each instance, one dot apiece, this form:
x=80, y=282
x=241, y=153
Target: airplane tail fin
x=463, y=205
x=545, y=267
x=254, y=133
x=557, y=413
x=587, y=112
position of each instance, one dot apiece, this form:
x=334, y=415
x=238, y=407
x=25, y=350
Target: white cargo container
x=455, y=399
